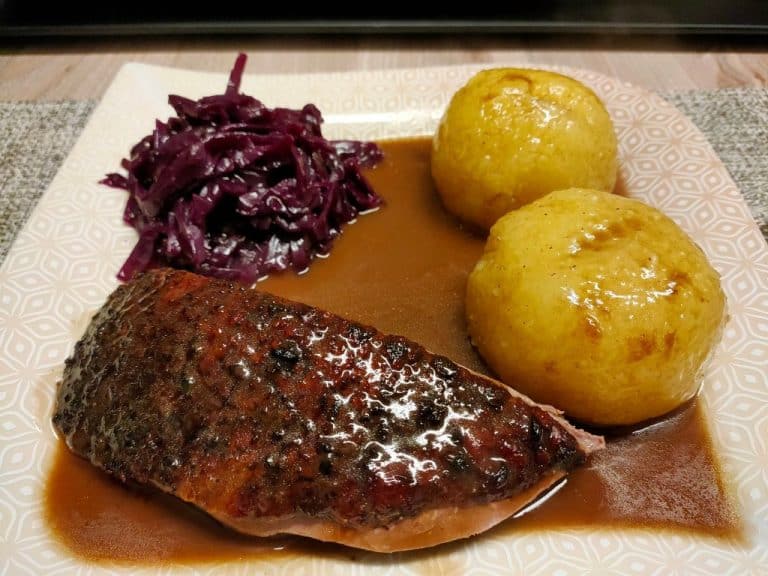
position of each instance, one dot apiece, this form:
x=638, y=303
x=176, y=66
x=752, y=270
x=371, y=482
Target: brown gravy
x=403, y=270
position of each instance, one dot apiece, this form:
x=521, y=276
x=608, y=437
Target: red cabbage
x=233, y=189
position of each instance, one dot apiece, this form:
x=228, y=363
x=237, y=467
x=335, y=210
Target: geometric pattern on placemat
x=735, y=121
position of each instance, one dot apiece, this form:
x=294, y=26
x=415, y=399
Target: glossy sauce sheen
x=403, y=270
x=264, y=411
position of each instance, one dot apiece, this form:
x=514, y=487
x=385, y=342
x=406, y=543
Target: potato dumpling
x=510, y=136
x=597, y=304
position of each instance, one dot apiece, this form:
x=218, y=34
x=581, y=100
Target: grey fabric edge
x=35, y=139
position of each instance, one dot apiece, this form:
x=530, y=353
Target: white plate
x=64, y=261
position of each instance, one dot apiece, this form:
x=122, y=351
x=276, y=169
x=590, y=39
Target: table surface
x=82, y=69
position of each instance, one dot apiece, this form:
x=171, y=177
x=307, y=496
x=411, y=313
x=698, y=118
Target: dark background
x=28, y=18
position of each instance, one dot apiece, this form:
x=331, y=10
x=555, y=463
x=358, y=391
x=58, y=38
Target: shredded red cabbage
x=233, y=189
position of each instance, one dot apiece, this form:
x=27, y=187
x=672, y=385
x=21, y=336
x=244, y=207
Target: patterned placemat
x=36, y=137
x=735, y=121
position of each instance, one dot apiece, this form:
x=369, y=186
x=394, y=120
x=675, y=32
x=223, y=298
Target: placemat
x=735, y=121
x=35, y=138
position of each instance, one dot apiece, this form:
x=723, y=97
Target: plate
x=64, y=262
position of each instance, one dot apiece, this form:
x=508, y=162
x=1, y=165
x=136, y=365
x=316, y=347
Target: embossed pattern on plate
x=64, y=261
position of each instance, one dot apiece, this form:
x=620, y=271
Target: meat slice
x=277, y=417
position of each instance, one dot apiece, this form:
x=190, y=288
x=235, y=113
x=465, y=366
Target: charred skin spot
x=396, y=349
x=495, y=397
x=287, y=354
x=289, y=351
x=499, y=478
x=444, y=368
x=430, y=416
x=535, y=431
x=383, y=432
x=459, y=461
x=359, y=334
x=326, y=468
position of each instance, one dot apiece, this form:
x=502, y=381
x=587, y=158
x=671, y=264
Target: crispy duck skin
x=277, y=417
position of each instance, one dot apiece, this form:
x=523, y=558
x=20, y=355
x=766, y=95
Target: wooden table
x=82, y=69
